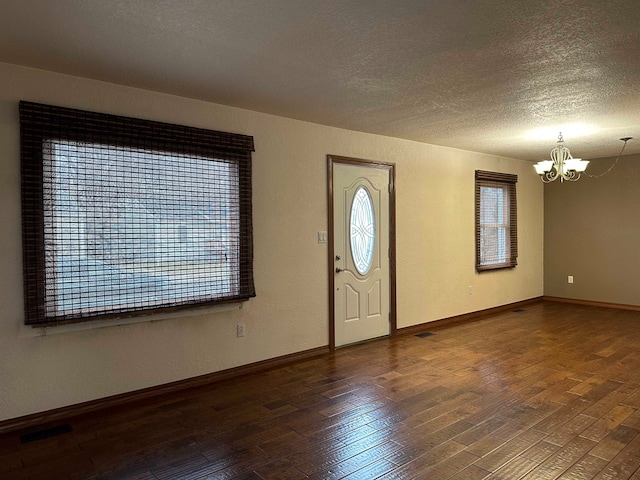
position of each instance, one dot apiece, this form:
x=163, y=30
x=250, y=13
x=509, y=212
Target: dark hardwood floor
x=550, y=392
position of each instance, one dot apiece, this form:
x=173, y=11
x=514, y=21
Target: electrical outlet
x=240, y=330
x=469, y=290
x=570, y=279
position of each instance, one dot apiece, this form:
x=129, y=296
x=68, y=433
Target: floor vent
x=46, y=433
x=425, y=334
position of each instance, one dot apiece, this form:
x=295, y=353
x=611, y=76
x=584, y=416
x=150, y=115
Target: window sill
x=27, y=331
x=497, y=266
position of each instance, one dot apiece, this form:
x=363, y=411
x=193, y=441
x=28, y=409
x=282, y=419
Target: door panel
x=361, y=247
x=374, y=306
x=351, y=303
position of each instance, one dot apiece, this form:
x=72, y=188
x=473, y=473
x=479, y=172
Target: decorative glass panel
x=362, y=230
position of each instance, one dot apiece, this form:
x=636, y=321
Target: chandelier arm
x=549, y=177
x=625, y=140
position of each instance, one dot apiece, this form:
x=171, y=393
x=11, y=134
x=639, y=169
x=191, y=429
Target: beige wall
x=592, y=229
x=435, y=245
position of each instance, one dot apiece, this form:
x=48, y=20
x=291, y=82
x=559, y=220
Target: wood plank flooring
x=551, y=392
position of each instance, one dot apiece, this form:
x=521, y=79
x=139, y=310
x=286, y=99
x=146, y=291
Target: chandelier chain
x=625, y=140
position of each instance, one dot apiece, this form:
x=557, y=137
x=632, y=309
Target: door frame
x=391, y=168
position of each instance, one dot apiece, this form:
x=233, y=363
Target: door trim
x=331, y=161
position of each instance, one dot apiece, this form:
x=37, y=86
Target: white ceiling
x=481, y=75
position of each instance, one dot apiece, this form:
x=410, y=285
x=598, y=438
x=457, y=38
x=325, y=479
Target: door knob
x=338, y=270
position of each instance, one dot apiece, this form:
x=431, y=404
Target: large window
x=496, y=220
x=122, y=216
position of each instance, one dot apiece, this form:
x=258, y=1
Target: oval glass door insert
x=362, y=230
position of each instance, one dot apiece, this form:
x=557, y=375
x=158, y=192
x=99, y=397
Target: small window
x=496, y=220
x=124, y=216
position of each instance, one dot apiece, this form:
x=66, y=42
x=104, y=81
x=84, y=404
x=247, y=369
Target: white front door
x=361, y=250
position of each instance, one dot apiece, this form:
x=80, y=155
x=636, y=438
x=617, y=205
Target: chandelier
x=562, y=165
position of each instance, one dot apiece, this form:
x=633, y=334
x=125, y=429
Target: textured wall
x=435, y=246
x=592, y=232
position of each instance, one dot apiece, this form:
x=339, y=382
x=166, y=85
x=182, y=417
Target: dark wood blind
x=124, y=216
x=496, y=220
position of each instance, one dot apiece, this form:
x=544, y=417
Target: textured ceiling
x=486, y=76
